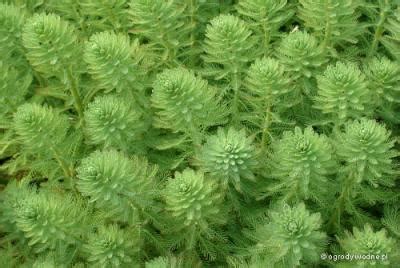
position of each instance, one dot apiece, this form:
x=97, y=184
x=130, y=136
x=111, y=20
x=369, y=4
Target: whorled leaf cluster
x=193, y=133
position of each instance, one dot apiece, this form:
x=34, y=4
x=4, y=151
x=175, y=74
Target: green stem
x=265, y=127
x=327, y=34
x=192, y=14
x=236, y=87
x=75, y=94
x=266, y=39
x=67, y=172
x=191, y=242
x=345, y=196
x=195, y=135
x=379, y=29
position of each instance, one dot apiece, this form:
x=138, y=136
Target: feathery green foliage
x=300, y=53
x=12, y=20
x=199, y=133
x=13, y=87
x=391, y=39
x=50, y=219
x=163, y=24
x=367, y=241
x=111, y=246
x=113, y=122
x=333, y=22
x=265, y=17
x=106, y=14
x=383, y=77
x=230, y=156
x=291, y=235
x=367, y=152
x=300, y=166
x=116, y=183
x=39, y=127
x=184, y=102
x=110, y=61
x=343, y=92
x=192, y=198
x=51, y=44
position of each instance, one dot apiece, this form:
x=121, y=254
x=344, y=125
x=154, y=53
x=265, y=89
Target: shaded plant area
x=193, y=133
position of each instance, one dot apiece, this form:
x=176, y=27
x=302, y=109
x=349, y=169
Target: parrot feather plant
x=199, y=133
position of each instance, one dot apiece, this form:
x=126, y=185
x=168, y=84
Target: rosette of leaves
x=163, y=23
x=191, y=198
x=343, y=92
x=184, y=103
x=39, y=127
x=229, y=44
x=230, y=156
x=266, y=78
x=194, y=204
x=333, y=22
x=112, y=121
x=265, y=17
x=267, y=85
x=300, y=166
x=47, y=140
x=111, y=246
x=290, y=238
x=367, y=242
x=116, y=184
x=51, y=45
x=12, y=20
x=368, y=153
x=301, y=54
x=49, y=219
x=384, y=81
x=110, y=61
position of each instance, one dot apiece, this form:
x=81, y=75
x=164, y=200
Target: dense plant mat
x=194, y=133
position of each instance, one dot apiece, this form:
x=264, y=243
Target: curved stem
x=62, y=163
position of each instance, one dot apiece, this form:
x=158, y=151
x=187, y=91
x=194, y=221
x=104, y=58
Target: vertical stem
x=379, y=29
x=192, y=12
x=191, y=242
x=327, y=34
x=236, y=87
x=195, y=136
x=266, y=39
x=75, y=94
x=265, y=127
x=345, y=196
